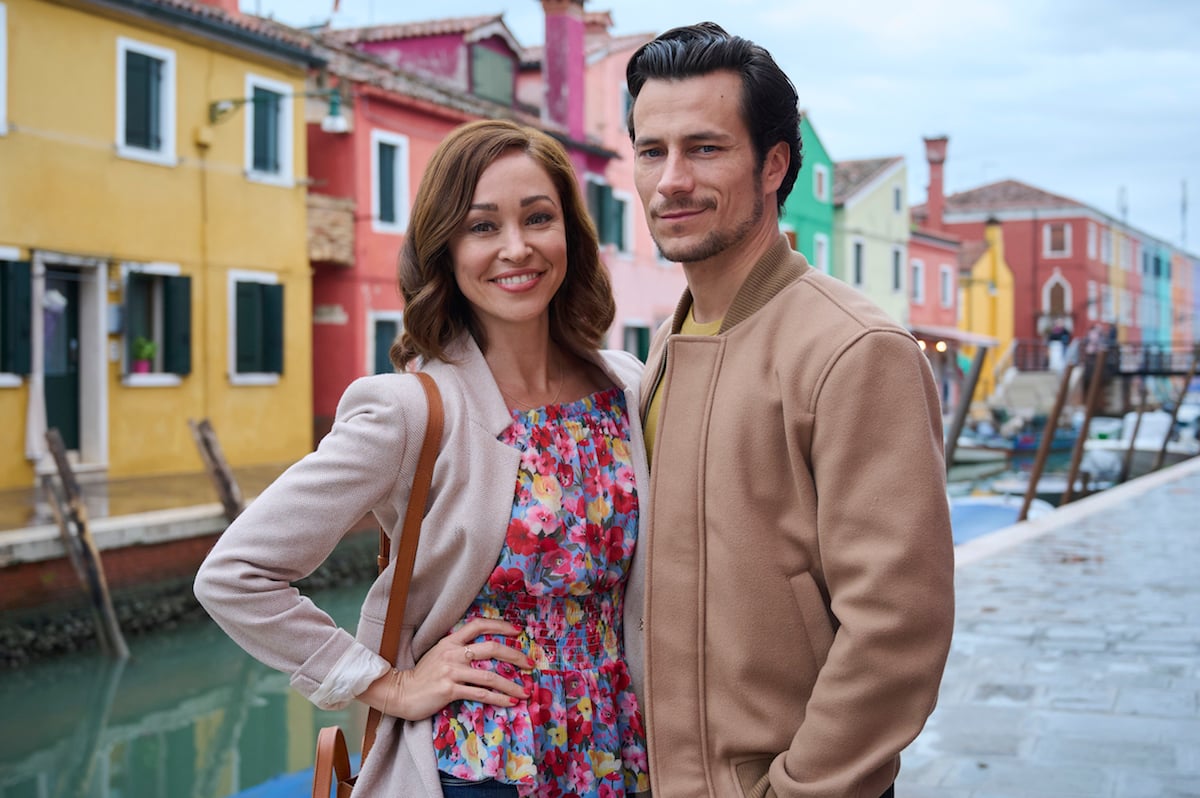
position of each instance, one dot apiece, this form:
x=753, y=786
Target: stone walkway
x=1075, y=667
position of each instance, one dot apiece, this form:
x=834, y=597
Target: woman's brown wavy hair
x=435, y=311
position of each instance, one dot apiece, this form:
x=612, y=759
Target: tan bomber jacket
x=799, y=573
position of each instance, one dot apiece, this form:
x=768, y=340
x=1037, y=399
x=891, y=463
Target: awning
x=935, y=333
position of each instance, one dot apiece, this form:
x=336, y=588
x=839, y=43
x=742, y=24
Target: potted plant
x=143, y=352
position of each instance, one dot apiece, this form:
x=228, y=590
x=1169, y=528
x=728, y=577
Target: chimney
x=230, y=7
x=935, y=202
x=563, y=64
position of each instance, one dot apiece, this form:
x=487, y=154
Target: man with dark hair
x=799, y=593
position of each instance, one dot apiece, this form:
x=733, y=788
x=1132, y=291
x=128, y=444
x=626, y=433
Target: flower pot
x=141, y=367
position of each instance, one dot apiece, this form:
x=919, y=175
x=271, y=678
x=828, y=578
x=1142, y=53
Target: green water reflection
x=188, y=715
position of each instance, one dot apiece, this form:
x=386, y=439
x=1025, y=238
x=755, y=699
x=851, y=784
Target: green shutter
x=177, y=325
x=266, y=130
x=16, y=308
x=249, y=329
x=595, y=201
x=491, y=75
x=614, y=216
x=607, y=221
x=137, y=100
x=387, y=182
x=385, y=333
x=272, y=326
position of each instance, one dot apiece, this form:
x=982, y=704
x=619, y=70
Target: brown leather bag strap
x=410, y=534
x=333, y=762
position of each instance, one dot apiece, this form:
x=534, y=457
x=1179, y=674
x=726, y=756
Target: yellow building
x=153, y=258
x=987, y=306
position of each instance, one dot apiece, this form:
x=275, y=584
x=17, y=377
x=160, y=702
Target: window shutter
x=615, y=218
x=138, y=289
x=177, y=325
x=595, y=202
x=16, y=302
x=272, y=328
x=385, y=333
x=249, y=330
x=266, y=131
x=491, y=75
x=387, y=182
x=137, y=100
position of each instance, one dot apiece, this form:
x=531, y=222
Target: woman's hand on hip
x=446, y=674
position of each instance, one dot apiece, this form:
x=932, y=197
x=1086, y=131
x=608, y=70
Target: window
x=946, y=285
x=16, y=322
x=3, y=70
x=1056, y=239
x=158, y=324
x=1092, y=240
x=897, y=199
x=145, y=102
x=637, y=340
x=491, y=75
x=857, y=278
x=1105, y=246
x=386, y=327
x=626, y=106
x=255, y=328
x=609, y=211
x=1093, y=298
x=918, y=282
x=897, y=270
x=389, y=182
x=269, y=131
x=821, y=252
x=821, y=182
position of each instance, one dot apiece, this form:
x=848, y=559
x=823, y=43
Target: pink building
x=647, y=287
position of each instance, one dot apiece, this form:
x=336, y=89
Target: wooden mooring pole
x=218, y=468
x=71, y=513
x=1187, y=381
x=1043, y=452
x=1094, y=389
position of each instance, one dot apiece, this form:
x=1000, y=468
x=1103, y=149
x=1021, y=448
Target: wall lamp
x=333, y=122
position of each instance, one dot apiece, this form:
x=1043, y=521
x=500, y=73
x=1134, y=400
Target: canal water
x=189, y=715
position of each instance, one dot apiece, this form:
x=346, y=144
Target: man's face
x=695, y=167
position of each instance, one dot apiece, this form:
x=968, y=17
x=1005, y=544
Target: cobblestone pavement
x=1075, y=666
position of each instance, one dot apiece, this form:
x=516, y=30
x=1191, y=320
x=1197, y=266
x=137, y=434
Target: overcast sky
x=1093, y=99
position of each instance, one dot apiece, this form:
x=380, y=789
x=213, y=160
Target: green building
x=807, y=216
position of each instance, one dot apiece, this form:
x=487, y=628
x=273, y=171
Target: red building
x=404, y=87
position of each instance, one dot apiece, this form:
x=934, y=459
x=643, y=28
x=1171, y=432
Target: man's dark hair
x=770, y=105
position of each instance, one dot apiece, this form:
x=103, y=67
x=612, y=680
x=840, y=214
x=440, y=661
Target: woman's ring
x=468, y=653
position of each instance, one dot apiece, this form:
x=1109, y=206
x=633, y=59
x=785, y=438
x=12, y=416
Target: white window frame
x=896, y=269
x=1093, y=298
x=3, y=70
x=400, y=181
x=156, y=379
x=287, y=123
x=1106, y=246
x=946, y=287
x=821, y=251
x=858, y=280
x=821, y=182
x=1047, y=252
x=917, y=268
x=897, y=199
x=1091, y=244
x=374, y=316
x=236, y=377
x=166, y=155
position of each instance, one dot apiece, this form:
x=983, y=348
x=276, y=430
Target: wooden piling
x=218, y=468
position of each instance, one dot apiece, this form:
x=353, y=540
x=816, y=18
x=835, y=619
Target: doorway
x=60, y=336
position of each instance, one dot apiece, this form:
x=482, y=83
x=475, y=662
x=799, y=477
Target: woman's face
x=510, y=254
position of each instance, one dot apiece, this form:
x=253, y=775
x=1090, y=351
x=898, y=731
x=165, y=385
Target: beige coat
x=799, y=582
x=366, y=463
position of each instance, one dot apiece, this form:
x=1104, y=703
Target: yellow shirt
x=690, y=327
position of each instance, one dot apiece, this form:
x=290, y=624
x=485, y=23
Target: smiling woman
x=528, y=549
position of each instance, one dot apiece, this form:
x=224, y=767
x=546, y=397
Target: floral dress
x=561, y=580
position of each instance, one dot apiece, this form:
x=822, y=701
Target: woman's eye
x=540, y=218
x=481, y=227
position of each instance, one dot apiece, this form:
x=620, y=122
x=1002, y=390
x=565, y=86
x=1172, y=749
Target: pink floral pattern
x=561, y=579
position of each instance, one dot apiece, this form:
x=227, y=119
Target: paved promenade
x=1075, y=667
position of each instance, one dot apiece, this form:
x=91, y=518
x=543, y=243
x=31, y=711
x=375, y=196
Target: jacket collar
x=466, y=365
x=778, y=268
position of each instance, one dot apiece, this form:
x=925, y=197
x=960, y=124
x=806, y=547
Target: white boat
x=1154, y=428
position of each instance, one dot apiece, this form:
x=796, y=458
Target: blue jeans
x=458, y=788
